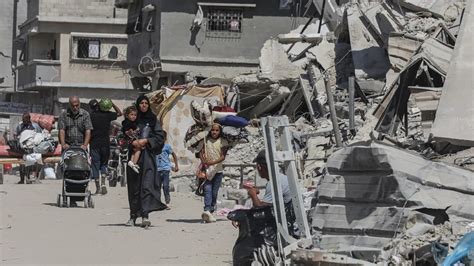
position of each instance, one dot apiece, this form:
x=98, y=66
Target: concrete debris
x=313, y=38
x=401, y=48
x=455, y=116
x=275, y=65
x=369, y=57
x=446, y=9
x=377, y=200
x=412, y=246
x=268, y=104
x=332, y=13
x=427, y=69
x=374, y=192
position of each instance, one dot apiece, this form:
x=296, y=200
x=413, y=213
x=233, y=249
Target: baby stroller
x=76, y=169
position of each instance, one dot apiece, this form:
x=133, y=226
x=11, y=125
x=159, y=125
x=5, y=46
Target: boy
x=163, y=166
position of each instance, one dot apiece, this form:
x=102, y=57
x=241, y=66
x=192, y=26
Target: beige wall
x=74, y=8
x=88, y=72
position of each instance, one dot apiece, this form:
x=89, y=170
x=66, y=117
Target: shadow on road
x=51, y=204
x=119, y=225
x=187, y=221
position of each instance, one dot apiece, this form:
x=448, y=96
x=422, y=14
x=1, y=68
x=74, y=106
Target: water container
x=145, y=131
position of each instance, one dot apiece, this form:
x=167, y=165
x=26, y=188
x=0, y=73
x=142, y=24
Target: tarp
x=175, y=114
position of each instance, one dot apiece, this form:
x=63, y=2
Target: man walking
x=75, y=125
x=100, y=140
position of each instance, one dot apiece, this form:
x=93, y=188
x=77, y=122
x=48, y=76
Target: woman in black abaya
x=143, y=187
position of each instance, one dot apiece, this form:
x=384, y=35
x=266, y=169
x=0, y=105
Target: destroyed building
x=368, y=87
x=72, y=48
x=171, y=39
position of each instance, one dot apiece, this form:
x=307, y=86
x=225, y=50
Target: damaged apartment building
x=170, y=42
x=72, y=47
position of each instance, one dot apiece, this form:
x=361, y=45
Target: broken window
x=228, y=22
x=88, y=48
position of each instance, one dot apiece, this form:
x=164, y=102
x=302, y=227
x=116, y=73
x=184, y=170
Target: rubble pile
x=384, y=179
x=417, y=242
x=381, y=75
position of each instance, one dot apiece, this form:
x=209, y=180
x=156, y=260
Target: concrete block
x=227, y=204
x=239, y=195
x=223, y=194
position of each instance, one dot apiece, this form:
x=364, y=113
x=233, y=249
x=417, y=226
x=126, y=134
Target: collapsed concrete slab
x=275, y=65
x=446, y=9
x=332, y=15
x=370, y=58
x=427, y=68
x=454, y=120
x=270, y=102
x=371, y=190
x=401, y=48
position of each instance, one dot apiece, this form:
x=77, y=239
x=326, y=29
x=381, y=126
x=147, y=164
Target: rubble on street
x=384, y=178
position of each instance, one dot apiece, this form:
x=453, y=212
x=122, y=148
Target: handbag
x=200, y=187
x=201, y=177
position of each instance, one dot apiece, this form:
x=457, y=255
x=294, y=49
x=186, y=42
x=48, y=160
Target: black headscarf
x=148, y=117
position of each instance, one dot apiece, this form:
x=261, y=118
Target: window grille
x=99, y=48
x=88, y=48
x=226, y=23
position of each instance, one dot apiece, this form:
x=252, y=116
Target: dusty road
x=34, y=231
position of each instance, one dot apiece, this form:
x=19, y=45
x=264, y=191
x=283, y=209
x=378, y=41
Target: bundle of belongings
x=32, y=145
x=233, y=126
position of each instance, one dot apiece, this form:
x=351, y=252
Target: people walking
x=100, y=140
x=164, y=168
x=212, y=155
x=75, y=128
x=132, y=132
x=143, y=187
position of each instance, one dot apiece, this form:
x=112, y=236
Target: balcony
x=38, y=73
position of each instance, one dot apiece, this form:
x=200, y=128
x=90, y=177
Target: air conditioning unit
x=123, y=3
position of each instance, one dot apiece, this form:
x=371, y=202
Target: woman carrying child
x=143, y=187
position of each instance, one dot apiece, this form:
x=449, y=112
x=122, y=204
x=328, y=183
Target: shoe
x=134, y=167
x=145, y=222
x=207, y=217
x=212, y=219
x=131, y=222
x=103, y=190
x=21, y=182
x=97, y=187
x=73, y=204
x=167, y=201
x=167, y=207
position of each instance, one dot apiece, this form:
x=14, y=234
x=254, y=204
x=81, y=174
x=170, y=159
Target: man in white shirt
x=267, y=199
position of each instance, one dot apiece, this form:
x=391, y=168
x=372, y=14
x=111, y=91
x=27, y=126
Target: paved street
x=34, y=231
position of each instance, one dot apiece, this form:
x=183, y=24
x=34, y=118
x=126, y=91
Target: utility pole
x=14, y=51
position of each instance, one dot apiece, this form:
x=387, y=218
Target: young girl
x=130, y=129
x=212, y=155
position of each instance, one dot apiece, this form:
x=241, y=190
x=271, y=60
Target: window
x=88, y=48
x=222, y=22
x=98, y=47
